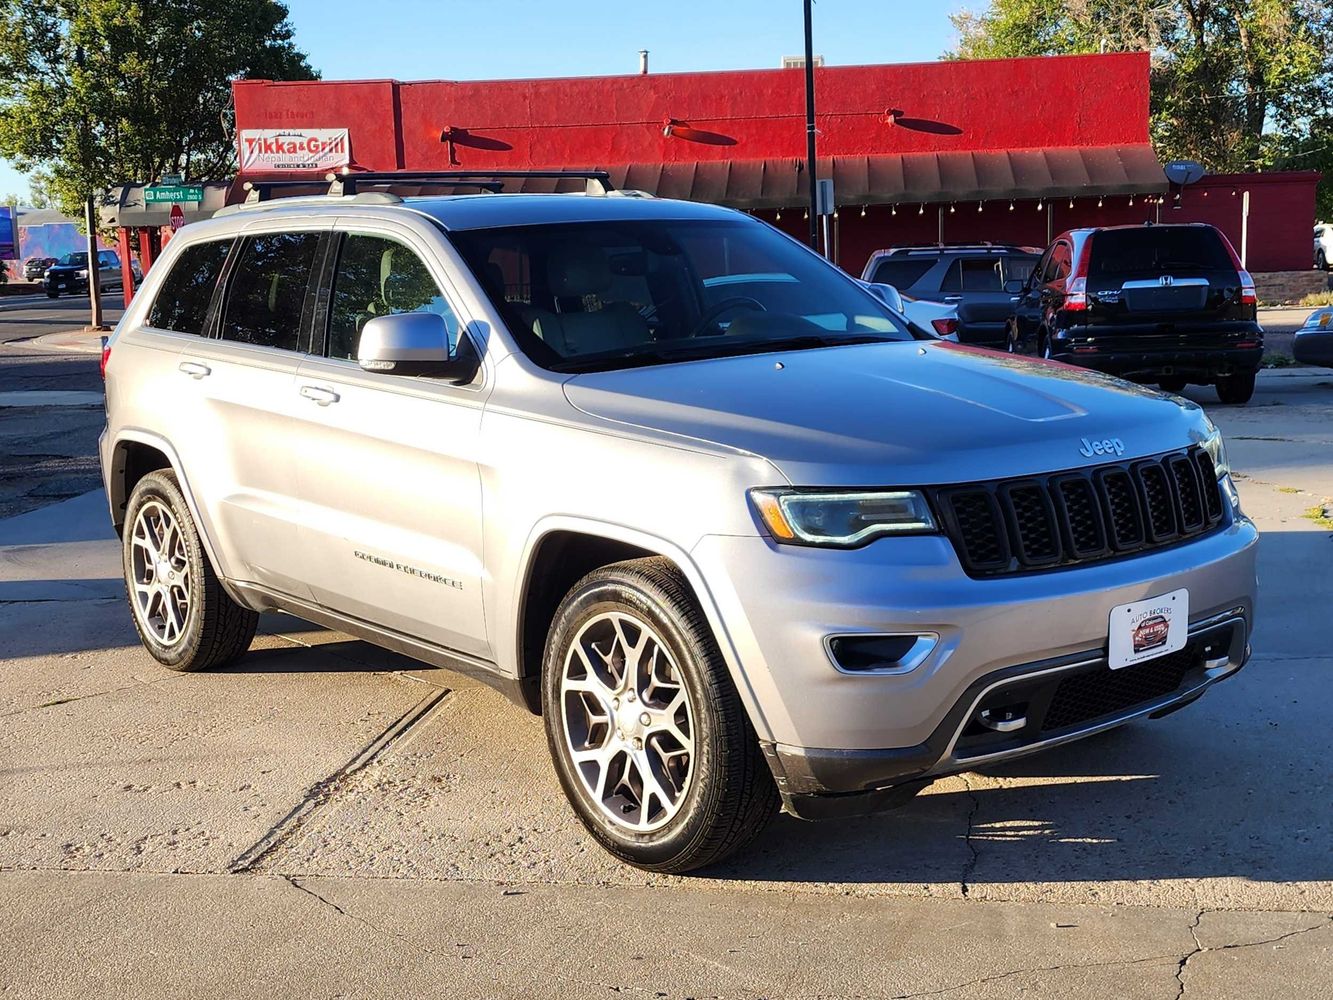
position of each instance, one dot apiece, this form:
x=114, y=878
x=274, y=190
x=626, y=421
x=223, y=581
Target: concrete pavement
x=328, y=819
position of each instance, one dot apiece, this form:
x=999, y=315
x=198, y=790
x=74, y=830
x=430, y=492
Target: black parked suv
x=1164, y=304
x=969, y=276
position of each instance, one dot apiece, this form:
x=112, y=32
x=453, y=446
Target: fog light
x=880, y=654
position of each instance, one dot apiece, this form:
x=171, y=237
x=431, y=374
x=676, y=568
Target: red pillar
x=126, y=272
x=147, y=252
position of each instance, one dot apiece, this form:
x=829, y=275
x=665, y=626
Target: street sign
x=177, y=217
x=178, y=192
x=824, y=196
x=171, y=180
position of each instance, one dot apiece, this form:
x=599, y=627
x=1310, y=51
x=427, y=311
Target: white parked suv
x=1323, y=246
x=669, y=478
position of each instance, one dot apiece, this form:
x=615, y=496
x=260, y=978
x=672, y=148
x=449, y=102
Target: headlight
x=80, y=274
x=1217, y=450
x=841, y=518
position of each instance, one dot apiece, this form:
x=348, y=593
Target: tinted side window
x=378, y=277
x=182, y=302
x=1060, y=262
x=900, y=273
x=267, y=297
x=973, y=274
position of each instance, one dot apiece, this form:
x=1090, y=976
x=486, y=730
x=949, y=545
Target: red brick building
x=1007, y=150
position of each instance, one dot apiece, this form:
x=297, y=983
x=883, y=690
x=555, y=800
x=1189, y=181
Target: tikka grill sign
x=293, y=149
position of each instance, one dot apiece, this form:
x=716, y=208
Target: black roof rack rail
x=489, y=180
x=263, y=190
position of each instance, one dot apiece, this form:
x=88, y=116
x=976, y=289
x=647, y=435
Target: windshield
x=74, y=259
x=596, y=296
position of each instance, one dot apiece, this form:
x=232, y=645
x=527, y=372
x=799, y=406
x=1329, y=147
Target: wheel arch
x=561, y=551
x=133, y=455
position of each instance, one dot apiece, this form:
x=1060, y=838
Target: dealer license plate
x=1147, y=629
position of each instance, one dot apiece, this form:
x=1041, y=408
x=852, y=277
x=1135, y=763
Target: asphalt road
x=47, y=452
x=327, y=819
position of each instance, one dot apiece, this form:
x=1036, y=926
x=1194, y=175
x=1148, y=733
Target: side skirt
x=524, y=693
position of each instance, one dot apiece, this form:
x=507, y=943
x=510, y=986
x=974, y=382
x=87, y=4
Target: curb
x=70, y=341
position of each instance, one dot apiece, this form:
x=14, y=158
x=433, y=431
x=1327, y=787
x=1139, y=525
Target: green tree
x=96, y=93
x=1236, y=84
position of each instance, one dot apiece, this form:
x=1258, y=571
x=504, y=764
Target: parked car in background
x=34, y=268
x=933, y=318
x=1165, y=304
x=70, y=274
x=1323, y=246
x=970, y=277
x=1314, y=341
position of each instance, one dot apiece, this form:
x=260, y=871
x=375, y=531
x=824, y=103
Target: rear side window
x=973, y=274
x=267, y=297
x=901, y=273
x=378, y=277
x=1019, y=268
x=1157, y=250
x=182, y=302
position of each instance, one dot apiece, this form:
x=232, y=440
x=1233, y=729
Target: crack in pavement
x=138, y=683
x=1201, y=949
x=1041, y=968
x=327, y=789
x=968, y=842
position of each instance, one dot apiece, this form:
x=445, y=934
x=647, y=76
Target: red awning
x=1068, y=172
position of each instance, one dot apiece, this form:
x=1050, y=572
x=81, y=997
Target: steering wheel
x=726, y=305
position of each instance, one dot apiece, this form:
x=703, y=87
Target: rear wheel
x=184, y=617
x=1172, y=384
x=1321, y=261
x=1236, y=389
x=648, y=735
x=52, y=294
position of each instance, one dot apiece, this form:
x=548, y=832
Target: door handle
x=194, y=369
x=319, y=394
x=953, y=298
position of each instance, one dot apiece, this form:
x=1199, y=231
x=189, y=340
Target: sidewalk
x=73, y=341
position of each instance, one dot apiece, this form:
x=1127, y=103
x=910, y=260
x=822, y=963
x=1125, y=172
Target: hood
x=913, y=413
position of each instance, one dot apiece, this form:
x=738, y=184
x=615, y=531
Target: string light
x=922, y=209
x=893, y=210
x=1071, y=202
x=1099, y=201
x=1131, y=201
x=1038, y=205
x=951, y=208
x=979, y=208
x=1011, y=206
x=806, y=215
x=779, y=215
x=863, y=211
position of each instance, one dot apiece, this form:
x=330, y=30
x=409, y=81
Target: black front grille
x=1083, y=697
x=1022, y=525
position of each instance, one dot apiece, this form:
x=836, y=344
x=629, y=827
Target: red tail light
x=1247, y=293
x=1076, y=292
x=944, y=327
x=106, y=356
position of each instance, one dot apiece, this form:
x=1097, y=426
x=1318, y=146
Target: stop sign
x=177, y=217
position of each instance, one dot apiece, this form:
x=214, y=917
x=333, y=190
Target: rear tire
x=1321, y=261
x=53, y=295
x=185, y=619
x=1236, y=389
x=668, y=775
x=1176, y=385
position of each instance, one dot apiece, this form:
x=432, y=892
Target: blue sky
x=468, y=40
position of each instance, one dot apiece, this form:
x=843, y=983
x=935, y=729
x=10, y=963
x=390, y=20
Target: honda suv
x=668, y=478
x=1164, y=304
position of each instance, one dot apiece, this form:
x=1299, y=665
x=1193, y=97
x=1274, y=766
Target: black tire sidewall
x=613, y=591
x=161, y=486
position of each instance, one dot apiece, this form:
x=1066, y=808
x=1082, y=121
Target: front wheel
x=649, y=738
x=1321, y=261
x=52, y=294
x=1236, y=389
x=185, y=619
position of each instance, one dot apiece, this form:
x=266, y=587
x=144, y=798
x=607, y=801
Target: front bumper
x=830, y=733
x=1313, y=348
x=1070, y=698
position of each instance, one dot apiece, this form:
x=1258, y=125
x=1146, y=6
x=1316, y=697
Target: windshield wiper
x=717, y=347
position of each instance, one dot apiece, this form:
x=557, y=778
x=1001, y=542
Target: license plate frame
x=1144, y=630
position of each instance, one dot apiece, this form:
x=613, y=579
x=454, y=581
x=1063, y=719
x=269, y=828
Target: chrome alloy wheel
x=160, y=573
x=627, y=720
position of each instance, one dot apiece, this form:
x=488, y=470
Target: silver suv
x=668, y=478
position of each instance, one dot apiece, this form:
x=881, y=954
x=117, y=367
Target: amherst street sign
x=172, y=193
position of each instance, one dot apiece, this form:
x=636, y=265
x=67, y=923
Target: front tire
x=1321, y=261
x=650, y=740
x=53, y=295
x=1236, y=389
x=184, y=618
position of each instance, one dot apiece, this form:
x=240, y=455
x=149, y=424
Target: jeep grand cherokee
x=671, y=480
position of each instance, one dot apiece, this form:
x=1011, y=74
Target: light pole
x=810, y=127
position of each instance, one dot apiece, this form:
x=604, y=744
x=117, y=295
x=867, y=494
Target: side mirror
x=887, y=294
x=413, y=344
x=1015, y=287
